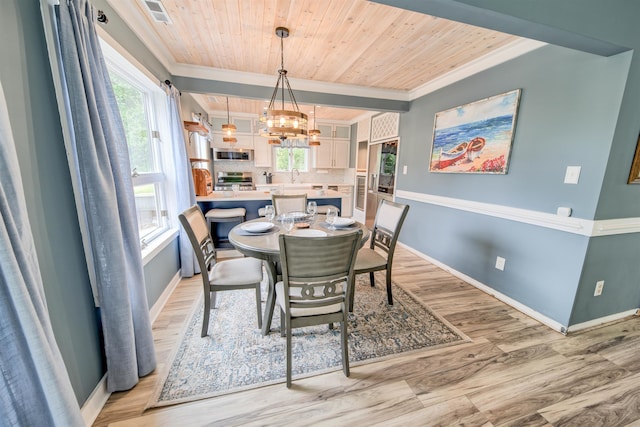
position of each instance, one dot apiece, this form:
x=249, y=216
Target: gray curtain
x=34, y=384
x=104, y=176
x=185, y=191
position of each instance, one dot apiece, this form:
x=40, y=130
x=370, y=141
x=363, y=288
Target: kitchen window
x=292, y=158
x=142, y=106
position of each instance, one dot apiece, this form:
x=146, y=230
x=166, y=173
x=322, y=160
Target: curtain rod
x=102, y=17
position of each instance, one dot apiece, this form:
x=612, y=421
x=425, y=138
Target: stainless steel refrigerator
x=381, y=176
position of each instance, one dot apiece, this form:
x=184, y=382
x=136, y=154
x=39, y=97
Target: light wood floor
x=515, y=372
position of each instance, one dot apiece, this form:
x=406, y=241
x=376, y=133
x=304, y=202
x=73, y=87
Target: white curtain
x=34, y=384
x=185, y=191
x=106, y=193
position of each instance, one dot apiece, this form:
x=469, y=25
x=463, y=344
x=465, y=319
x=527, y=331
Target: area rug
x=235, y=356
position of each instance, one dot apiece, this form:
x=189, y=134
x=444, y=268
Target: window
x=292, y=158
x=142, y=105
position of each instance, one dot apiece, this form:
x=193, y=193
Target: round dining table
x=256, y=239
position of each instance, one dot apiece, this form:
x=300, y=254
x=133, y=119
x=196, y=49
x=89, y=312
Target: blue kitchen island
x=254, y=200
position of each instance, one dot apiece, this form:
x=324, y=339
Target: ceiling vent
x=157, y=11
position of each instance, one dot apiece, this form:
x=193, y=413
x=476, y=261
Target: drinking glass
x=287, y=222
x=312, y=209
x=332, y=214
x=269, y=213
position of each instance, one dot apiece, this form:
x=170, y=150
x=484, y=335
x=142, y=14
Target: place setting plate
x=342, y=222
x=308, y=232
x=256, y=228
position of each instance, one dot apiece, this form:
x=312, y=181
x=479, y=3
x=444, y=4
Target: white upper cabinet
x=244, y=131
x=364, y=130
x=334, y=131
x=333, y=152
x=262, y=152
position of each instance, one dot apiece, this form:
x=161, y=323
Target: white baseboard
x=96, y=401
x=99, y=396
x=164, y=297
x=556, y=326
x=603, y=320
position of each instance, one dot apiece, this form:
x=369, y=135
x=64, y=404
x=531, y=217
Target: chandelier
x=229, y=129
x=289, y=127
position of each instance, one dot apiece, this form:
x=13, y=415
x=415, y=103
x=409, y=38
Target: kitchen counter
x=242, y=196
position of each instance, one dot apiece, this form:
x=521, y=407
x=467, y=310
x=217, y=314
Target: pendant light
x=314, y=133
x=279, y=122
x=228, y=129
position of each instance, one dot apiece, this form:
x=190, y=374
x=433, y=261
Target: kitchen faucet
x=297, y=174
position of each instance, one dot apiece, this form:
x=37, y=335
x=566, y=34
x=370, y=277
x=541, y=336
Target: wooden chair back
x=285, y=203
x=318, y=271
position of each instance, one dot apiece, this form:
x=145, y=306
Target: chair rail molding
x=584, y=227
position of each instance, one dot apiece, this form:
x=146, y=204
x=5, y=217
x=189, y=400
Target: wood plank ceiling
x=352, y=42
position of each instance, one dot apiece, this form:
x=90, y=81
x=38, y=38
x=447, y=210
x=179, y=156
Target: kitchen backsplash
x=333, y=176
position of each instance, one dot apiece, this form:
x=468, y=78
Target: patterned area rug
x=235, y=356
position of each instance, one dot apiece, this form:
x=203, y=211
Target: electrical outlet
x=599, y=286
x=572, y=175
x=500, y=263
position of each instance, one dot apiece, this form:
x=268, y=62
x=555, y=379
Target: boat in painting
x=475, y=146
x=449, y=157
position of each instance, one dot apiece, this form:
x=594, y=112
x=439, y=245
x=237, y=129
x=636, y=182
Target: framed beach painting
x=475, y=137
x=634, y=175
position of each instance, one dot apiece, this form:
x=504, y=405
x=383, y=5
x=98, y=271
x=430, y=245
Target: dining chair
x=285, y=203
x=227, y=275
x=317, y=274
x=386, y=228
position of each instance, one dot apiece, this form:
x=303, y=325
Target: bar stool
x=218, y=215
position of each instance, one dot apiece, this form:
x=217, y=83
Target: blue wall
x=35, y=123
x=568, y=112
x=33, y=113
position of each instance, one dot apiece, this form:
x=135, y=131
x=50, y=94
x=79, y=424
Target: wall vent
x=157, y=11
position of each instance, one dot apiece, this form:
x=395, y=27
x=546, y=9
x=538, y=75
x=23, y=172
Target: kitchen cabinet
x=331, y=154
x=364, y=130
x=244, y=125
x=334, y=131
x=262, y=152
x=244, y=131
x=347, y=200
x=244, y=141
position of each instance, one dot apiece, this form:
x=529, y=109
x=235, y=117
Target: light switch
x=404, y=170
x=572, y=175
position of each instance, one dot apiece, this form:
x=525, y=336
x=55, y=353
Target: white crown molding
x=498, y=56
x=242, y=77
x=583, y=227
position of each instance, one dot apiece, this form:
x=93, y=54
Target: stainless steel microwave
x=232, y=154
